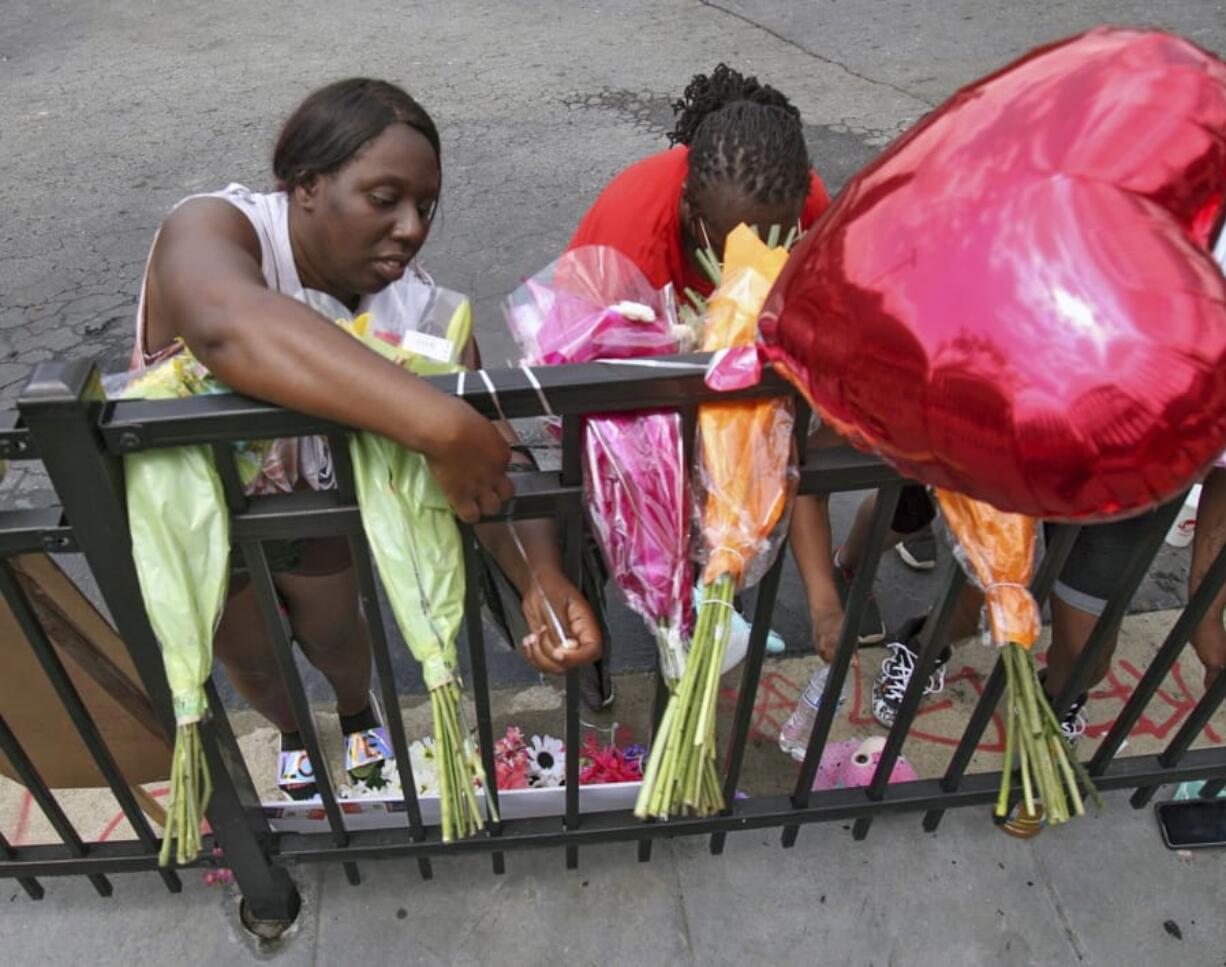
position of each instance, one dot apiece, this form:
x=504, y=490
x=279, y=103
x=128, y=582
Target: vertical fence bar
x=481, y=683
x=572, y=551
x=342, y=467
x=394, y=720
x=689, y=433
x=276, y=626
x=1107, y=627
x=764, y=609
x=933, y=637
x=223, y=460
x=57, y=675
x=1205, y=709
x=1166, y=657
x=861, y=585
x=800, y=429
x=60, y=406
x=33, y=888
x=658, y=704
x=47, y=803
x=1058, y=550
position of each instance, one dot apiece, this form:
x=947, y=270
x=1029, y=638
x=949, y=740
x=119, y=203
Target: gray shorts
x=1092, y=570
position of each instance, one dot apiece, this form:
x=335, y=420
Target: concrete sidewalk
x=1101, y=891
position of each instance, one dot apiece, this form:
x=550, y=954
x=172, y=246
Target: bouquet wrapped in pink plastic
x=594, y=303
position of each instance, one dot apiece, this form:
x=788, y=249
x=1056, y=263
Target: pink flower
x=511, y=750
x=511, y=776
x=606, y=764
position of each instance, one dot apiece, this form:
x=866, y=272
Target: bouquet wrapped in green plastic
x=416, y=544
x=179, y=525
x=180, y=531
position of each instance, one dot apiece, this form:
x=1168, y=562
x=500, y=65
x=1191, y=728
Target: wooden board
x=102, y=672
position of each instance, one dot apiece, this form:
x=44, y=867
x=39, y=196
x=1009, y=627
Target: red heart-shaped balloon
x=1016, y=301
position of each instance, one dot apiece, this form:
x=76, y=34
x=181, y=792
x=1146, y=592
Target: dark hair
x=742, y=133
x=335, y=122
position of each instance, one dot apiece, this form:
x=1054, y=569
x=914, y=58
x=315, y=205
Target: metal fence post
x=60, y=405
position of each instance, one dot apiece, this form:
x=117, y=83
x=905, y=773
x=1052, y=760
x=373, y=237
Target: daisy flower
x=546, y=761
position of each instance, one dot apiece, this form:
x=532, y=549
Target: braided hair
x=743, y=134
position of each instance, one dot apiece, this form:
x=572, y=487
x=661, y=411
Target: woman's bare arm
x=205, y=286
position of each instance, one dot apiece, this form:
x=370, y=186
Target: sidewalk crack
x=814, y=54
x=685, y=916
x=1049, y=887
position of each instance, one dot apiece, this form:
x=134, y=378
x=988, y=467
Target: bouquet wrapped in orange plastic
x=746, y=474
x=997, y=551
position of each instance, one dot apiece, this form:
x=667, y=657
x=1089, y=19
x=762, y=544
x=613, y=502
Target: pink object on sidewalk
x=851, y=764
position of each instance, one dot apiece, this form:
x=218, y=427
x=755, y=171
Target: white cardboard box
x=388, y=812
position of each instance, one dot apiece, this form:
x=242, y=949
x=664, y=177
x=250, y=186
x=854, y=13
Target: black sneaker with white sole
x=872, y=628
x=896, y=670
x=919, y=550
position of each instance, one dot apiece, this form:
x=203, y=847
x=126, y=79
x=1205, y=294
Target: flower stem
x=1002, y=798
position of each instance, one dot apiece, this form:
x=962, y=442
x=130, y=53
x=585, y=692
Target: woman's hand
x=468, y=458
x=827, y=623
x=541, y=647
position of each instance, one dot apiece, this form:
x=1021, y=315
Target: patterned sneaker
x=919, y=550
x=365, y=755
x=296, y=775
x=895, y=673
x=872, y=628
x=1075, y=721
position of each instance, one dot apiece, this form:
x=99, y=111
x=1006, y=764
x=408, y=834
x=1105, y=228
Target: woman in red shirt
x=738, y=155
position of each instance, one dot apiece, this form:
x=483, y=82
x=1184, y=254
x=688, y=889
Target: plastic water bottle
x=794, y=737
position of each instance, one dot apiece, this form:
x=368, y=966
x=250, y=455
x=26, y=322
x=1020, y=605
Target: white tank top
x=306, y=459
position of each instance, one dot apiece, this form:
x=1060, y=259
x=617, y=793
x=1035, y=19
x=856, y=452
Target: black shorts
x=306, y=557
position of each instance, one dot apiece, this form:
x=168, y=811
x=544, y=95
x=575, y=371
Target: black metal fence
x=63, y=420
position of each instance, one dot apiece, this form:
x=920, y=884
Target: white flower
x=425, y=766
x=546, y=761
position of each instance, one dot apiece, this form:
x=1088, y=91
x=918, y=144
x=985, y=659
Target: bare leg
x=966, y=617
x=246, y=651
x=1209, y=638
x=324, y=615
x=1070, y=631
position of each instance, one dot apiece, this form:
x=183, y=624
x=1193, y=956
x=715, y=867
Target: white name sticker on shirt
x=424, y=344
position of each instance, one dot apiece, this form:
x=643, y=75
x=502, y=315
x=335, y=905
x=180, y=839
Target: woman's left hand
x=541, y=647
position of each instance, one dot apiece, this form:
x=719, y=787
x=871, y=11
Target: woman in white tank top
x=252, y=283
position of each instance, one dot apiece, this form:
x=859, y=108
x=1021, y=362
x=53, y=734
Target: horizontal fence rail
x=81, y=439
